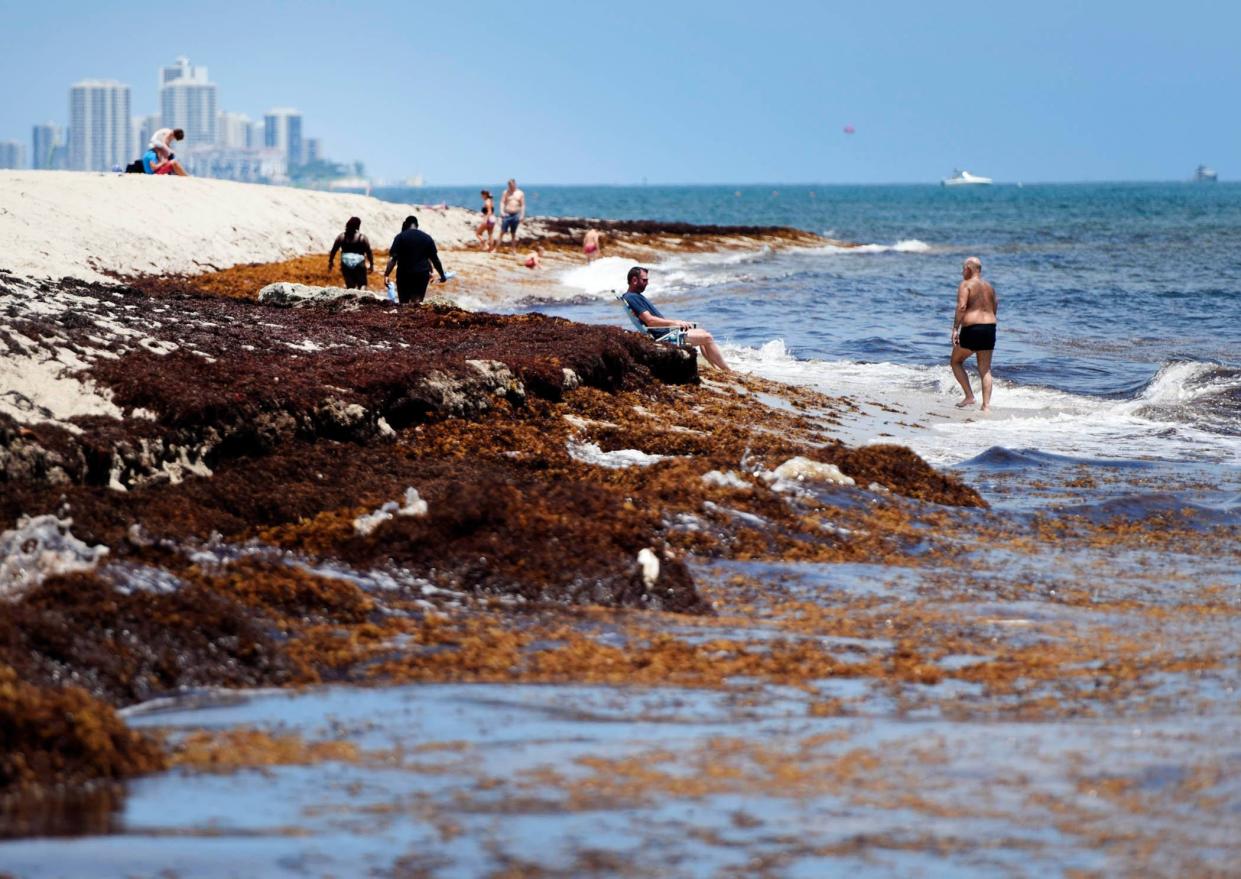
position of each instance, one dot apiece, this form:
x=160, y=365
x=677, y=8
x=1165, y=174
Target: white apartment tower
x=187, y=100
x=12, y=155
x=144, y=128
x=235, y=131
x=282, y=130
x=99, y=126
x=45, y=140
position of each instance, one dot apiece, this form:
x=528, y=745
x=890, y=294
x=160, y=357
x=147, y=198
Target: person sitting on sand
x=973, y=331
x=413, y=252
x=488, y=222
x=535, y=259
x=153, y=164
x=356, y=258
x=159, y=158
x=657, y=326
x=590, y=245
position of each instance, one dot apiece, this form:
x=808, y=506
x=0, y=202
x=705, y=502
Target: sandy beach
x=447, y=575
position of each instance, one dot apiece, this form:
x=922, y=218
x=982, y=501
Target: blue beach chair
x=670, y=335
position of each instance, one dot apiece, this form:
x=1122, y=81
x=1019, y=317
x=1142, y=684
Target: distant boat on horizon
x=965, y=178
x=1205, y=174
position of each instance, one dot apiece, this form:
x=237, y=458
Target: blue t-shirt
x=639, y=303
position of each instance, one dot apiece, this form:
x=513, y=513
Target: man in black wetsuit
x=413, y=253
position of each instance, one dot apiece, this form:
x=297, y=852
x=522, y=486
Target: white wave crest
x=601, y=276
x=1186, y=381
x=915, y=406
x=905, y=245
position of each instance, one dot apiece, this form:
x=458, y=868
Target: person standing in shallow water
x=973, y=331
x=590, y=245
x=356, y=258
x=413, y=253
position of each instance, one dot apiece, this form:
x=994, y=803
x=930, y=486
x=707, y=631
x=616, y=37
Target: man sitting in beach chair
x=647, y=318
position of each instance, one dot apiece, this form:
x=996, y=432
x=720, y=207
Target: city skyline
x=802, y=93
x=103, y=132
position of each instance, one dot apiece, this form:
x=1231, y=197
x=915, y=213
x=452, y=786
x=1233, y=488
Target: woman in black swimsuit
x=488, y=222
x=356, y=258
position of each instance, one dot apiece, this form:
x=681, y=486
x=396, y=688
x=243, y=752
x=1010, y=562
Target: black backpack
x=135, y=167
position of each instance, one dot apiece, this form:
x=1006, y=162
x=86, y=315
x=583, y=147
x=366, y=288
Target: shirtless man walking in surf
x=973, y=331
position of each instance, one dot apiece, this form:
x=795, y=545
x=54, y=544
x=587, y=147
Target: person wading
x=973, y=331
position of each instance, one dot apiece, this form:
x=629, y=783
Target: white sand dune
x=86, y=225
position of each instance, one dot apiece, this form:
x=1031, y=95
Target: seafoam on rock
x=38, y=548
x=797, y=470
x=413, y=505
x=590, y=453
x=729, y=479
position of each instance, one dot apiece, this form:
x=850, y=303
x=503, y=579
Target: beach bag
x=352, y=260
x=135, y=167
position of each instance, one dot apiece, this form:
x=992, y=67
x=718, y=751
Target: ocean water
x=1119, y=320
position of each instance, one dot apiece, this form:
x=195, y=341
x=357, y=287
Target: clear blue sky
x=675, y=92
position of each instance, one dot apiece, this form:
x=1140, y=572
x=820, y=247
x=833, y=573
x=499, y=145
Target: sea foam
x=1168, y=419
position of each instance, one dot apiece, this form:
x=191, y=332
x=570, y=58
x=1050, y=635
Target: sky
x=678, y=92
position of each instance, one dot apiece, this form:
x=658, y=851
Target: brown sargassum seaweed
x=308, y=418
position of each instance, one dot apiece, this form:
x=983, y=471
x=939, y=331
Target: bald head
x=972, y=267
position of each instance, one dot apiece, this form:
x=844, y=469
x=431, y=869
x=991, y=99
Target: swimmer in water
x=590, y=245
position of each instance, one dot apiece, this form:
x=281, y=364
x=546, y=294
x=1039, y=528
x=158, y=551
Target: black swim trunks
x=978, y=337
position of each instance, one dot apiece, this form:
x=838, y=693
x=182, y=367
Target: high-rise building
x=12, y=155
x=46, y=146
x=282, y=130
x=314, y=150
x=187, y=100
x=144, y=127
x=181, y=69
x=99, y=126
x=235, y=131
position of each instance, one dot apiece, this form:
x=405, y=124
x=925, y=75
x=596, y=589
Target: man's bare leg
x=959, y=356
x=984, y=373
x=704, y=340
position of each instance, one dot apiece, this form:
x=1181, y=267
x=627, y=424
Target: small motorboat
x=965, y=178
